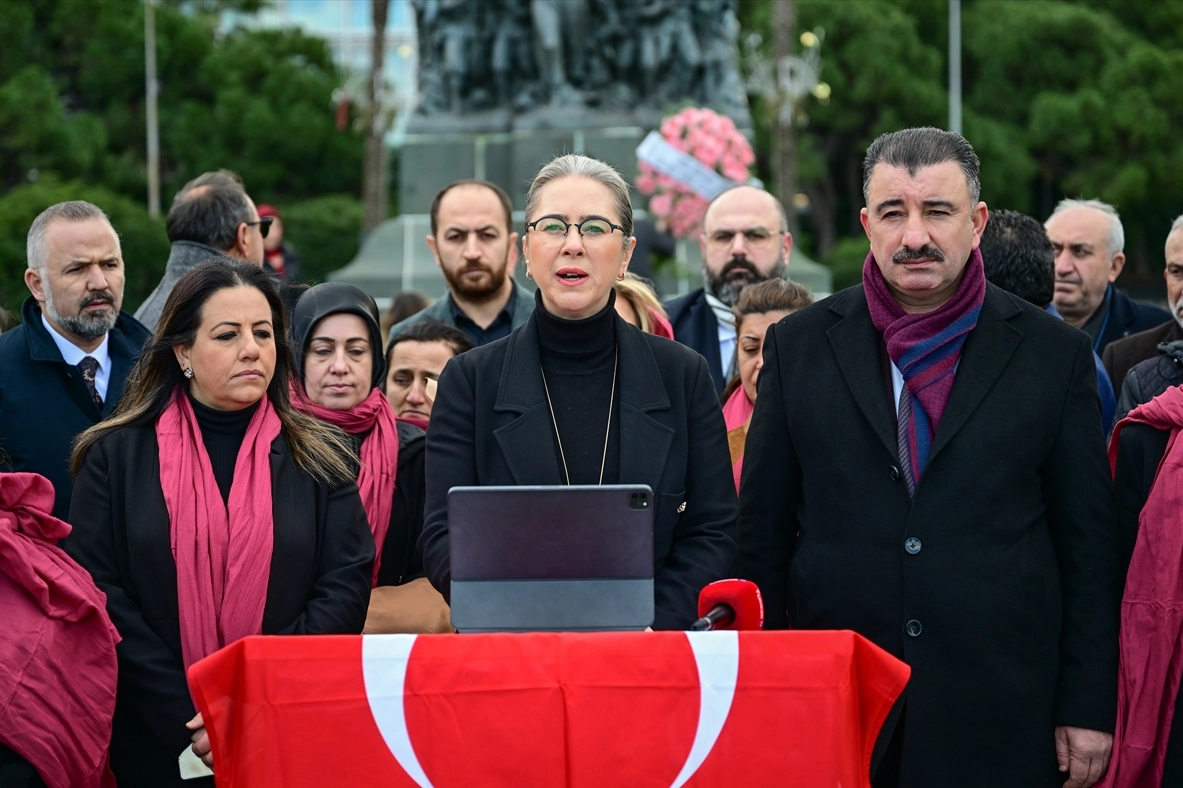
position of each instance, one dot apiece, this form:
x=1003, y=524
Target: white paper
x=191, y=765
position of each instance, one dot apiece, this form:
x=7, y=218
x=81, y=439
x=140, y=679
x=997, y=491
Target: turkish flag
x=665, y=709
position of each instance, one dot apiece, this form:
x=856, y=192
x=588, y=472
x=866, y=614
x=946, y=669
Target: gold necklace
x=607, y=430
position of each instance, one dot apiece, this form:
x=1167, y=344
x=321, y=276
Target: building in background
x=347, y=26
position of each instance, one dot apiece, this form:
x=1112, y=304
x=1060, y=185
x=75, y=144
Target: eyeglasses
x=554, y=230
x=264, y=224
x=755, y=237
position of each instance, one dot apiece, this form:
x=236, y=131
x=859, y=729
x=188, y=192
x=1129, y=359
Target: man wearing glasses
x=211, y=217
x=745, y=240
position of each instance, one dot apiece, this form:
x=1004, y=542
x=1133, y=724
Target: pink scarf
x=1151, y=610
x=223, y=553
x=661, y=324
x=57, y=654
x=736, y=414
x=379, y=455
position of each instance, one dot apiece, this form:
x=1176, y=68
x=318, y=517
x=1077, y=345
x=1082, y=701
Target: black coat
x=1124, y=354
x=319, y=584
x=1126, y=317
x=1006, y=562
x=490, y=426
x=44, y=402
x=696, y=327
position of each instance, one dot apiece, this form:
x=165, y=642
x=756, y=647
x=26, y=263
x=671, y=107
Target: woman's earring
x=528, y=274
x=620, y=278
x=188, y=373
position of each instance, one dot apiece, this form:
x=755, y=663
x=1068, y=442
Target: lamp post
x=151, y=90
x=955, y=66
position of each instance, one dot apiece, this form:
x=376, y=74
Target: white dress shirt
x=74, y=354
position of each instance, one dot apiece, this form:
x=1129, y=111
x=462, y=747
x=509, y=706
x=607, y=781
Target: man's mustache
x=926, y=252
x=739, y=264
x=97, y=298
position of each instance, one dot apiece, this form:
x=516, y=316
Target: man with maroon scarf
x=923, y=467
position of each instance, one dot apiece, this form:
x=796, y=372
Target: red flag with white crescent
x=665, y=710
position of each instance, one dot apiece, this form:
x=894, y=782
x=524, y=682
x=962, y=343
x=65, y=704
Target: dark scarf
x=925, y=348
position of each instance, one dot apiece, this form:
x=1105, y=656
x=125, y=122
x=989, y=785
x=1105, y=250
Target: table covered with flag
x=607, y=709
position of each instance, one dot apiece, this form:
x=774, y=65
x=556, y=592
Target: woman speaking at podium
x=577, y=396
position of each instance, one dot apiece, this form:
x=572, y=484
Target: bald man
x=745, y=240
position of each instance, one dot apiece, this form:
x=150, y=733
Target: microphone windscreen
x=742, y=595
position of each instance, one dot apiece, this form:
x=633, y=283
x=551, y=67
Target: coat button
x=913, y=628
x=912, y=545
x=894, y=472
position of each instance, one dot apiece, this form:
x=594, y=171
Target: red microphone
x=729, y=604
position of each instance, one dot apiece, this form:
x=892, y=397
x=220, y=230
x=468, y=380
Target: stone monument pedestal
x=509, y=149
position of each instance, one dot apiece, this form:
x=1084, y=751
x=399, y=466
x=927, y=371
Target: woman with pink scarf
x=758, y=307
x=207, y=509
x=340, y=370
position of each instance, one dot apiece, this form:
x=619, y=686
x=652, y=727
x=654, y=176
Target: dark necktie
x=89, y=366
x=903, y=424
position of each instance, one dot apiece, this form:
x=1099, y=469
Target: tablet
x=551, y=559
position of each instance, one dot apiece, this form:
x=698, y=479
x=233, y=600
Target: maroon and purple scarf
x=925, y=348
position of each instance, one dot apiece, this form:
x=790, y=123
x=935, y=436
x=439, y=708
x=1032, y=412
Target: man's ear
x=35, y=284
x=241, y=242
x=1115, y=265
x=435, y=252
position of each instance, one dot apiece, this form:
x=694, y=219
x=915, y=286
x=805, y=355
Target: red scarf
x=379, y=455
x=736, y=413
x=58, y=669
x=223, y=552
x=1151, y=610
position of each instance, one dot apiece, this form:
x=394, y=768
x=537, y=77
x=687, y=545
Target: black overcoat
x=998, y=584
x=490, y=426
x=44, y=402
x=319, y=584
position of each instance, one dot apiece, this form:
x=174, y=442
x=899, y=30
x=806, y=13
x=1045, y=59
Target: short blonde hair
x=641, y=298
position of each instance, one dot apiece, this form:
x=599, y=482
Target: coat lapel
x=987, y=350
x=856, y=345
x=644, y=442
x=527, y=442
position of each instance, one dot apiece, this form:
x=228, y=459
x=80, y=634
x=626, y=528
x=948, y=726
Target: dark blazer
x=44, y=403
x=490, y=426
x=696, y=327
x=998, y=583
x=1123, y=355
x=319, y=584
x=1127, y=316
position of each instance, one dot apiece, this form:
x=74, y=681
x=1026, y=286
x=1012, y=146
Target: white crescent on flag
x=384, y=667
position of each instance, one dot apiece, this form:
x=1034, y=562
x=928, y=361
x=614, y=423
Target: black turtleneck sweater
x=222, y=432
x=578, y=357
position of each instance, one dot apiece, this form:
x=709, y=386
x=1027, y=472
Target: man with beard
x=1164, y=342
x=473, y=242
x=924, y=467
x=745, y=240
x=64, y=367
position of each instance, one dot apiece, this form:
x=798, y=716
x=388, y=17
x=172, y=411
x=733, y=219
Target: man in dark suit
x=923, y=467
x=745, y=239
x=1088, y=240
x=1124, y=354
x=65, y=365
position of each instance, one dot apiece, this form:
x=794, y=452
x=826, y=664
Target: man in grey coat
x=211, y=218
x=474, y=244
